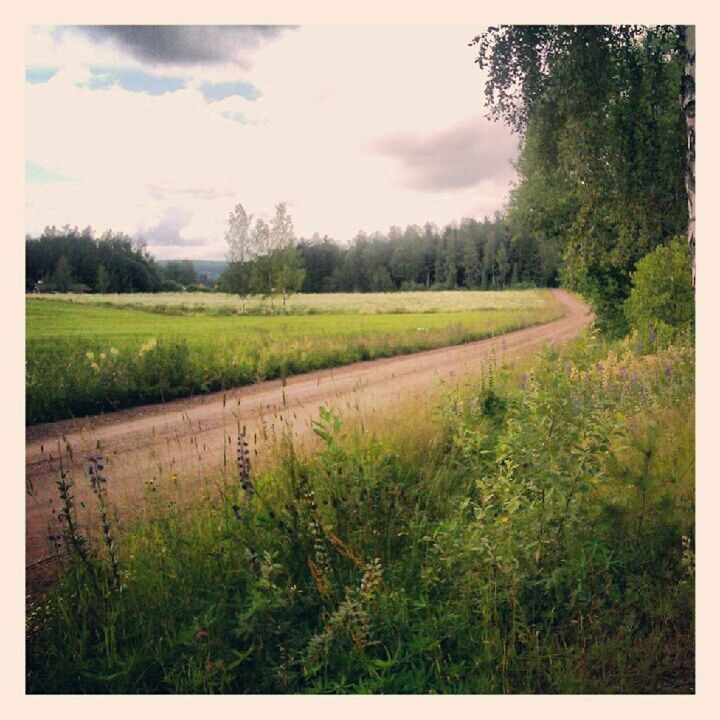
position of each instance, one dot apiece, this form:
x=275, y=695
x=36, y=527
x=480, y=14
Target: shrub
x=171, y=286
x=661, y=305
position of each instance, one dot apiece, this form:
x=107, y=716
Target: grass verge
x=531, y=533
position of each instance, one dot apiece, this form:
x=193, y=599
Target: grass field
x=529, y=533
x=364, y=303
x=89, y=356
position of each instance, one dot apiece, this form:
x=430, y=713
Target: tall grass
x=83, y=359
x=535, y=536
x=314, y=303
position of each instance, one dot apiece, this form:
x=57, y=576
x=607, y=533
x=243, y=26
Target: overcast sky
x=160, y=131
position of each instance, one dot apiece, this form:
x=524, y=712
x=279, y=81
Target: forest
x=473, y=254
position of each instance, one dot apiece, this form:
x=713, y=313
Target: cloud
x=462, y=156
x=35, y=75
x=201, y=193
x=167, y=233
x=325, y=100
x=237, y=117
x=187, y=44
x=218, y=91
x=133, y=80
x=38, y=174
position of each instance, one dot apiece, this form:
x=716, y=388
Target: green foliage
x=235, y=279
x=102, y=279
x=127, y=265
x=62, y=277
x=181, y=272
x=381, y=280
x=540, y=542
x=170, y=286
x=603, y=157
x=662, y=302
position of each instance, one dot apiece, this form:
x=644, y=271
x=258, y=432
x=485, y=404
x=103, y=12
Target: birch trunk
x=687, y=102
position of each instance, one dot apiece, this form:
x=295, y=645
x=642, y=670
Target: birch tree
x=240, y=250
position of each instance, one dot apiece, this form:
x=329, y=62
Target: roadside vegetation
x=86, y=358
x=533, y=532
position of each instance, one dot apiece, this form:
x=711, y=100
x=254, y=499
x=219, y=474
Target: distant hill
x=209, y=269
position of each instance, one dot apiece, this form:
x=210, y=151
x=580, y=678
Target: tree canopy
x=68, y=259
x=602, y=167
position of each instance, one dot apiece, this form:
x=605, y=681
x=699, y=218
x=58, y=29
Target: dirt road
x=188, y=437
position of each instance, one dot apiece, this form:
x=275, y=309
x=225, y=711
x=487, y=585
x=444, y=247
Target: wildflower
x=243, y=463
x=147, y=345
x=97, y=482
x=200, y=634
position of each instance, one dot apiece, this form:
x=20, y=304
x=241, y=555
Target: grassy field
x=86, y=357
x=529, y=533
x=308, y=304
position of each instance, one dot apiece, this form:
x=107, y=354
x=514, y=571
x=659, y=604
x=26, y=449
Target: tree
x=471, y=264
x=286, y=271
x=687, y=102
x=292, y=273
x=603, y=157
x=181, y=272
x=381, y=280
x=503, y=265
x=62, y=277
x=262, y=274
x=240, y=249
x=102, y=280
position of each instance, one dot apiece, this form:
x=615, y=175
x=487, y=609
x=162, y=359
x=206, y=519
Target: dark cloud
x=188, y=44
x=167, y=232
x=460, y=157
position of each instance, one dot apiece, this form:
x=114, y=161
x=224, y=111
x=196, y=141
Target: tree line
x=70, y=260
x=266, y=258
x=488, y=254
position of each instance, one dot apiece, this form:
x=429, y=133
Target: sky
x=159, y=131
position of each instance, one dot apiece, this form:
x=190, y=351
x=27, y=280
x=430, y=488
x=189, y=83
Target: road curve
x=187, y=437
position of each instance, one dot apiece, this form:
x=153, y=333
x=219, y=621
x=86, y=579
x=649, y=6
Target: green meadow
x=91, y=356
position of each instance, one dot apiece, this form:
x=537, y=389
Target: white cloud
x=328, y=95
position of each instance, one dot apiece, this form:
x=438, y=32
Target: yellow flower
x=147, y=345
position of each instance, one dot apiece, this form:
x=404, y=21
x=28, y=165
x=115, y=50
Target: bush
x=171, y=286
x=661, y=305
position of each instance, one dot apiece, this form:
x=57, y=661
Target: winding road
x=190, y=437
